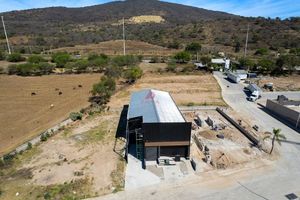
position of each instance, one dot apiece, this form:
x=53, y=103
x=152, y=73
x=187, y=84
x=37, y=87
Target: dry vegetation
x=283, y=83
x=115, y=47
x=78, y=162
x=146, y=19
x=24, y=116
x=187, y=90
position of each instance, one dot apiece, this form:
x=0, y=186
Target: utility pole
x=124, y=38
x=8, y=47
x=246, y=44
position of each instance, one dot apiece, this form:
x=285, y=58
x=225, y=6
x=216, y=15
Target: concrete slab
x=136, y=176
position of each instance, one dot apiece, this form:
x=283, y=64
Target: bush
x=36, y=59
x=29, y=69
x=188, y=68
x=193, y=47
x=44, y=137
x=261, y=51
x=74, y=116
x=103, y=90
x=61, y=59
x=133, y=73
x=127, y=60
x=29, y=146
x=113, y=71
x=15, y=57
x=171, y=67
x=182, y=57
x=266, y=66
x=2, y=55
x=154, y=59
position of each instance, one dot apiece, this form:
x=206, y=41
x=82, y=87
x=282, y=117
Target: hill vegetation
x=55, y=27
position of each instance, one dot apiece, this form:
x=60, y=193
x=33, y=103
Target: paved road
x=273, y=180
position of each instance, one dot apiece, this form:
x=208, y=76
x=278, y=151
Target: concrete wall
x=284, y=112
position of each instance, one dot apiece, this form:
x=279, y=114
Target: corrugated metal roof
x=154, y=106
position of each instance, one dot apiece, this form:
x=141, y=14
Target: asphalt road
x=270, y=180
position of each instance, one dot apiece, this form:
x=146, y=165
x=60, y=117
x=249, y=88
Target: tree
x=237, y=47
x=182, y=57
x=36, y=59
x=103, y=90
x=61, y=59
x=193, y=47
x=15, y=57
x=246, y=62
x=113, y=71
x=276, y=136
x=133, y=74
x=205, y=60
x=266, y=65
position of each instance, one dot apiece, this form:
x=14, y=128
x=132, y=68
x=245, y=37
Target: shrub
x=261, y=51
x=193, y=47
x=74, y=116
x=182, y=57
x=125, y=60
x=266, y=65
x=133, y=73
x=154, y=59
x=44, y=137
x=36, y=59
x=103, y=90
x=2, y=55
x=15, y=57
x=61, y=59
x=29, y=69
x=188, y=68
x=113, y=71
x=29, y=146
x=171, y=67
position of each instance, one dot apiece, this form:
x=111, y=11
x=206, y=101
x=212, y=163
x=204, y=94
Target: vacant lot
x=77, y=163
x=283, y=83
x=201, y=89
x=24, y=115
x=115, y=47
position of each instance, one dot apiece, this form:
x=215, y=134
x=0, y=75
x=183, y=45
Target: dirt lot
x=24, y=115
x=116, y=48
x=283, y=83
x=200, y=89
x=232, y=151
x=78, y=162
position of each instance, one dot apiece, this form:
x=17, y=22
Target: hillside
x=56, y=27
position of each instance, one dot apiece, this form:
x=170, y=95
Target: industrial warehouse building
x=156, y=127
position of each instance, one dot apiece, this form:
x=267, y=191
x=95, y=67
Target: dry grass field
x=116, y=48
x=283, y=83
x=201, y=89
x=23, y=116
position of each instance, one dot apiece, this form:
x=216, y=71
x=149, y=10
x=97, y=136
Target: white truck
x=255, y=92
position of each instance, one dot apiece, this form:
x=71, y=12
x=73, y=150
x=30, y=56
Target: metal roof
x=154, y=106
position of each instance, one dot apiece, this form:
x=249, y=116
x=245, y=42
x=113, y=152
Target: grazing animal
x=80, y=86
x=74, y=88
x=33, y=93
x=56, y=89
x=51, y=106
x=60, y=93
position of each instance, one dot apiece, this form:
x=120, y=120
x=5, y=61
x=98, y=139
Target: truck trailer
x=255, y=92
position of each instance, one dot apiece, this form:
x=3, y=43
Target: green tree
x=133, y=73
x=15, y=57
x=61, y=59
x=261, y=51
x=36, y=59
x=113, y=71
x=276, y=136
x=205, y=60
x=193, y=47
x=246, y=62
x=103, y=90
x=266, y=65
x=182, y=57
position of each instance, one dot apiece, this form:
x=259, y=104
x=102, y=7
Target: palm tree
x=276, y=136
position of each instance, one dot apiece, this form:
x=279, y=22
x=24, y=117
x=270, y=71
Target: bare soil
x=282, y=83
x=115, y=47
x=185, y=89
x=24, y=115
